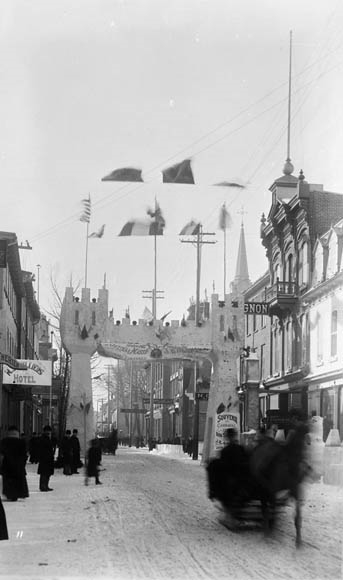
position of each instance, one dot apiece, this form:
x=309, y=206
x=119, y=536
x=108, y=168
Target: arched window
x=303, y=270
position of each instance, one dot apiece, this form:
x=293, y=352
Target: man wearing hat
x=45, y=459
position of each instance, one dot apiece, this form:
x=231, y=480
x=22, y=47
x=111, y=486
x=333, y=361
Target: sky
x=89, y=86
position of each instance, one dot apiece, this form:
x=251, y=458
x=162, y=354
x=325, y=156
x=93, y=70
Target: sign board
x=159, y=401
x=201, y=396
x=10, y=361
x=256, y=308
x=224, y=421
x=37, y=372
x=135, y=410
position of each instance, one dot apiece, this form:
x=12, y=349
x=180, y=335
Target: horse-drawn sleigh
x=253, y=485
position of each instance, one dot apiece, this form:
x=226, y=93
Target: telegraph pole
x=153, y=295
x=199, y=242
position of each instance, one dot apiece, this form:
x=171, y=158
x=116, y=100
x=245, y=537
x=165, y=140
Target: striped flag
x=86, y=211
x=190, y=229
x=99, y=233
x=224, y=218
x=179, y=173
x=146, y=227
x=141, y=228
x=124, y=174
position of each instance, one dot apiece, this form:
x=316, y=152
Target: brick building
x=303, y=284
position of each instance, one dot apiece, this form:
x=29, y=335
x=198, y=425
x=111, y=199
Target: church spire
x=241, y=280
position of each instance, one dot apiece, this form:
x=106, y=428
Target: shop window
x=327, y=411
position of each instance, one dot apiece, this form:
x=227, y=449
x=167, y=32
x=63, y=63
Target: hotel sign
x=30, y=373
x=256, y=308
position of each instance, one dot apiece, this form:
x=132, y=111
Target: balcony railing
x=281, y=290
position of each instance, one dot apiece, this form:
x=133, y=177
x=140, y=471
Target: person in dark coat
x=3, y=523
x=93, y=461
x=13, y=451
x=45, y=459
x=33, y=448
x=76, y=459
x=66, y=448
x=229, y=474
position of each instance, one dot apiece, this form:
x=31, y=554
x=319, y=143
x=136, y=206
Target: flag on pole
x=86, y=211
x=146, y=227
x=230, y=184
x=99, y=233
x=147, y=315
x=190, y=229
x=224, y=218
x=124, y=174
x=179, y=173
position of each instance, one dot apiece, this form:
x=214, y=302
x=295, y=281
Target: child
x=93, y=462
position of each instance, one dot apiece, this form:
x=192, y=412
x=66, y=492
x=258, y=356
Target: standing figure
x=113, y=441
x=13, y=450
x=93, y=461
x=66, y=448
x=76, y=459
x=45, y=459
x=33, y=448
x=3, y=523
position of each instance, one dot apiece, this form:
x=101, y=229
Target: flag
x=141, y=228
x=99, y=233
x=179, y=173
x=146, y=227
x=124, y=174
x=86, y=213
x=157, y=214
x=165, y=315
x=224, y=218
x=147, y=314
x=230, y=184
x=190, y=229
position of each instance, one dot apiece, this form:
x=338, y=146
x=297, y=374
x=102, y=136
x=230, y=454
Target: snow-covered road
x=151, y=519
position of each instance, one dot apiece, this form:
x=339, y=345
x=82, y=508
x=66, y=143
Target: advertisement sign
x=36, y=373
x=224, y=421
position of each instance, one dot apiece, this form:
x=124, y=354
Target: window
x=76, y=317
x=93, y=318
x=334, y=333
x=303, y=264
x=319, y=339
x=288, y=345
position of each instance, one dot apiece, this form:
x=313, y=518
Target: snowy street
x=151, y=519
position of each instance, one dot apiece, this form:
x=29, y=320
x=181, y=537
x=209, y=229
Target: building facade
x=297, y=343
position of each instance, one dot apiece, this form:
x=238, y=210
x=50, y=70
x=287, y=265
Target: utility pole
x=153, y=295
x=199, y=242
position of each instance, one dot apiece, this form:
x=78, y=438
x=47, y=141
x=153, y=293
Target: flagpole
x=224, y=263
x=86, y=260
x=154, y=313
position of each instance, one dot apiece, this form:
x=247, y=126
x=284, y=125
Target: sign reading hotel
x=34, y=373
x=224, y=421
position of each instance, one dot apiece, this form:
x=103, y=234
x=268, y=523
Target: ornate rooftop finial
x=301, y=175
x=288, y=168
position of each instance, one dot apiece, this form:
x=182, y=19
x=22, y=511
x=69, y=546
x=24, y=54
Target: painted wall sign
x=37, y=372
x=256, y=308
x=224, y=421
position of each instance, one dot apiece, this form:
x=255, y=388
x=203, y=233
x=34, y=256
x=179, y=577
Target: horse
x=273, y=467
